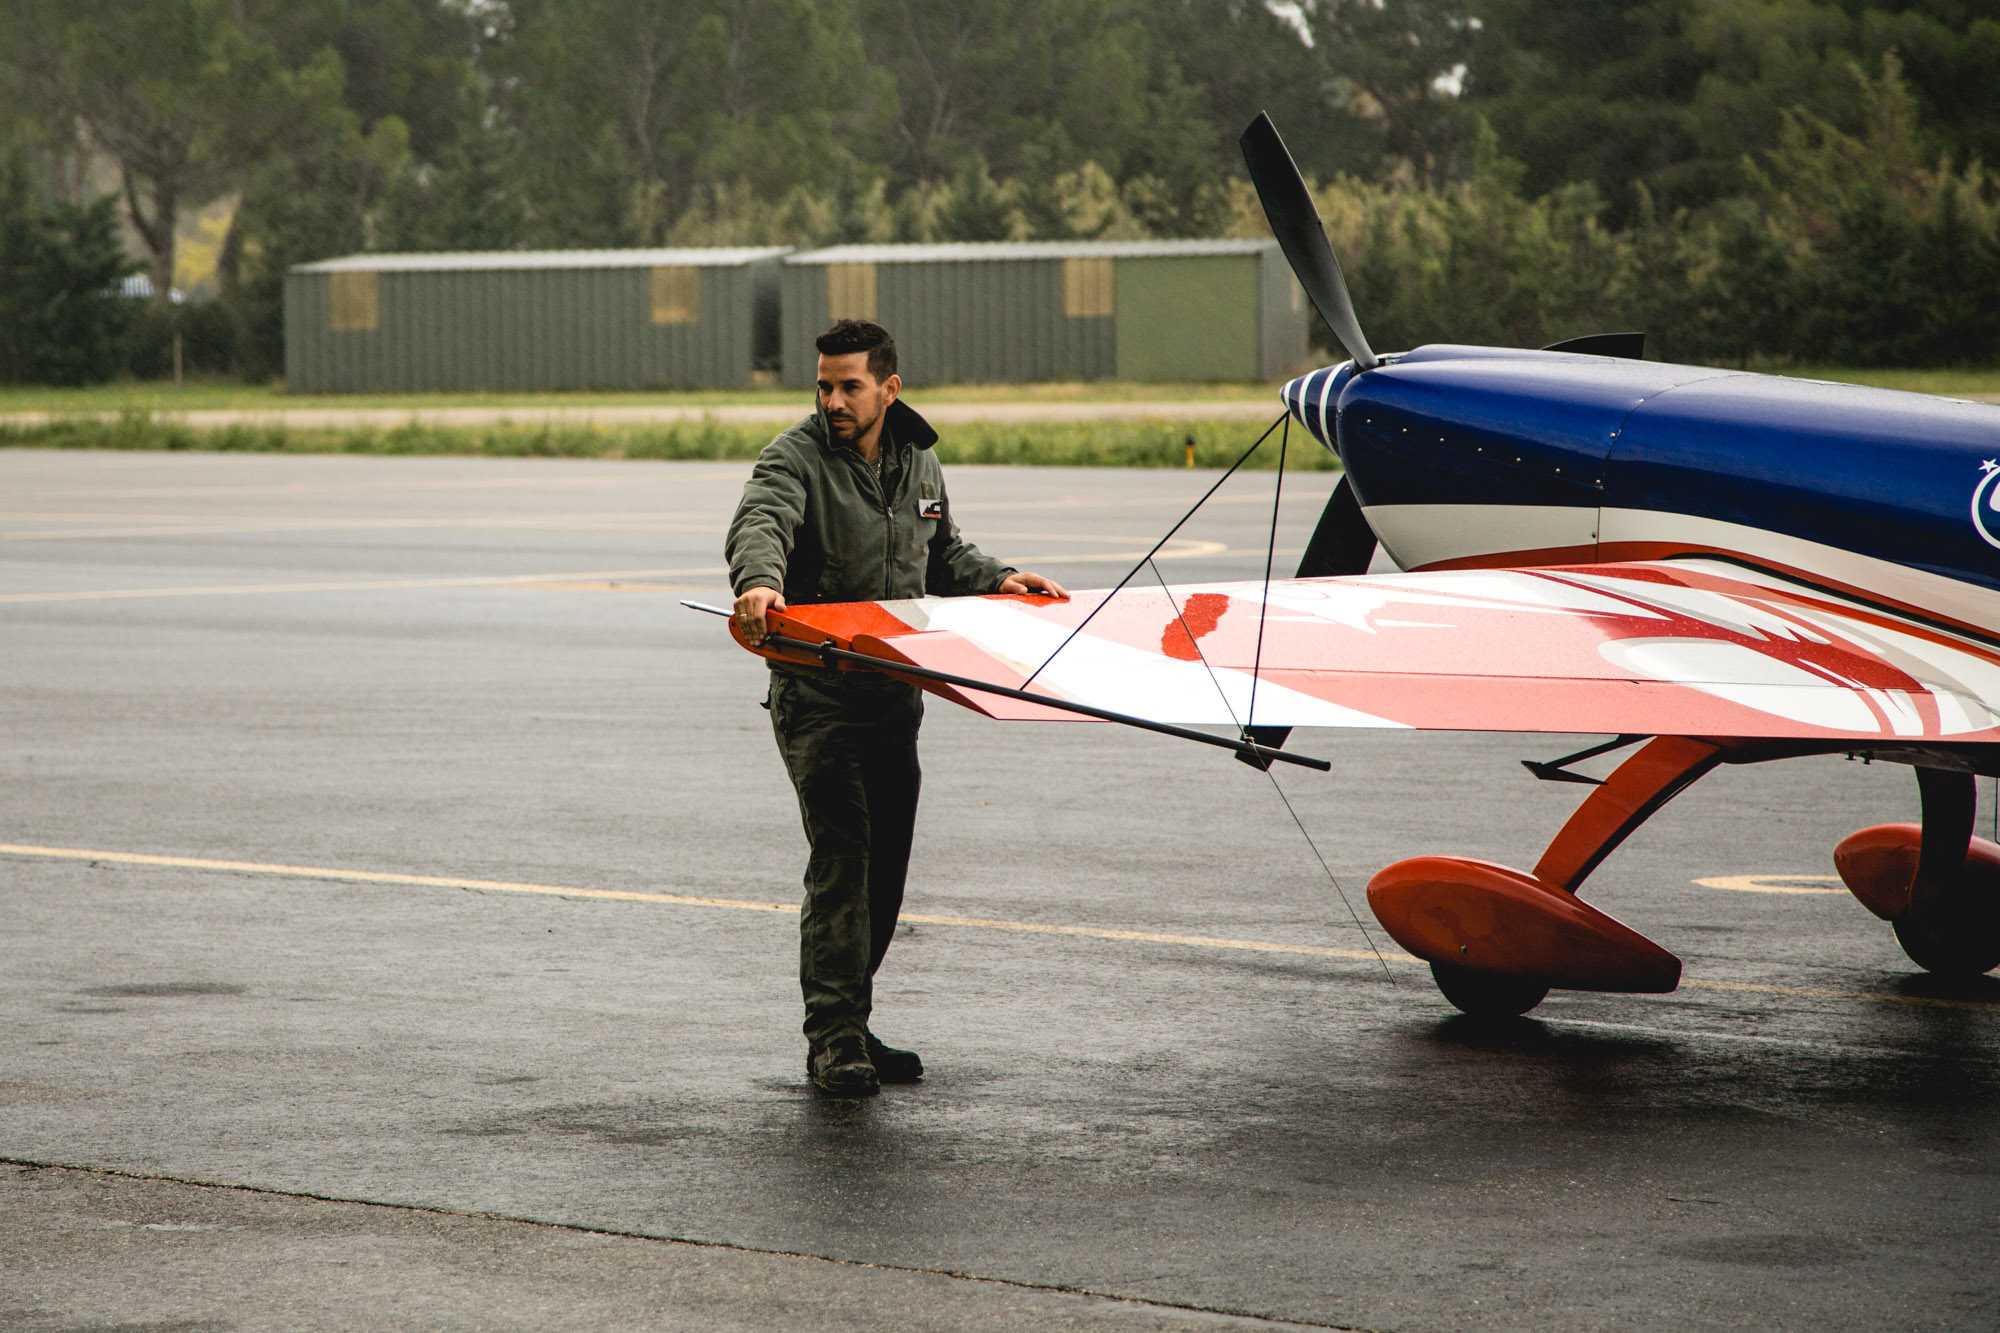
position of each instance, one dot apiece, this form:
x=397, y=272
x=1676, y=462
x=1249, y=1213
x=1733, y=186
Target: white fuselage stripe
x=1418, y=536
x=1952, y=598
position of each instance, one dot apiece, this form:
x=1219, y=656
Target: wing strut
x=1557, y=770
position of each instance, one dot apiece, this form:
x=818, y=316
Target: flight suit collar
x=903, y=425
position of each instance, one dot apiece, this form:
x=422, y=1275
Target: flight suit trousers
x=849, y=742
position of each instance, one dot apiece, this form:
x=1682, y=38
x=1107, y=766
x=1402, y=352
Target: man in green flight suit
x=849, y=506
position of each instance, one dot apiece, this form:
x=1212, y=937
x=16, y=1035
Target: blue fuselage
x=1560, y=457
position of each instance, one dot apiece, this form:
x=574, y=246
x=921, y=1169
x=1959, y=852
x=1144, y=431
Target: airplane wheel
x=1488, y=994
x=1954, y=938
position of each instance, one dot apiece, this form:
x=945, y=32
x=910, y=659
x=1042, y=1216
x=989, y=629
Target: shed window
x=355, y=305
x=1088, y=289
x=677, y=294
x=850, y=291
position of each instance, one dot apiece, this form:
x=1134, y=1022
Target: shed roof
x=982, y=251
x=543, y=259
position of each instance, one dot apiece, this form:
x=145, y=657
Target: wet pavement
x=440, y=899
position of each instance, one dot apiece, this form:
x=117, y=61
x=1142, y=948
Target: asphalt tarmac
x=396, y=898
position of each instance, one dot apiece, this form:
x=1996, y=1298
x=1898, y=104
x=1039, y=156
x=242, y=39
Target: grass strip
x=196, y=395
x=1041, y=444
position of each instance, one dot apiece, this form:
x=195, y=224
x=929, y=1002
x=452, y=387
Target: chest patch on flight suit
x=929, y=503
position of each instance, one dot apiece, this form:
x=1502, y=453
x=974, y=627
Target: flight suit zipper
x=888, y=530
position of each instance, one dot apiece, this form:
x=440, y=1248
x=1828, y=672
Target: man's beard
x=848, y=434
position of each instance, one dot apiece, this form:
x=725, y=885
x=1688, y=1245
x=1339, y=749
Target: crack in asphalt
x=578, y=1228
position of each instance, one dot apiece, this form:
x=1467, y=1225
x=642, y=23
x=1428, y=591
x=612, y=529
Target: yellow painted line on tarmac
x=1820, y=993
x=337, y=875
x=588, y=580
x=1180, y=549
x=1774, y=883
x=679, y=899
x=384, y=877
x=358, y=585
x=250, y=526
x=1155, y=937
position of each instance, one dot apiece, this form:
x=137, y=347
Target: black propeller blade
x=1295, y=222
x=1342, y=543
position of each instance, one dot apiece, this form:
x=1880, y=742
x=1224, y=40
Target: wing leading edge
x=1684, y=647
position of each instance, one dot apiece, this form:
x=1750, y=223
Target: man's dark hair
x=861, y=335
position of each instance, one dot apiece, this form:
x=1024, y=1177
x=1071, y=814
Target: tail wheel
x=1488, y=994
x=1953, y=937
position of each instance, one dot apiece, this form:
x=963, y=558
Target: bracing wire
x=1346, y=902
x=1264, y=601
x=1244, y=728
x=1188, y=630
x=1147, y=558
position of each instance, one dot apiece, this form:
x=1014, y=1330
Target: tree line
x=1780, y=179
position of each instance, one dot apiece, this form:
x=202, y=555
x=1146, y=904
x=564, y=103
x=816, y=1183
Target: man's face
x=852, y=398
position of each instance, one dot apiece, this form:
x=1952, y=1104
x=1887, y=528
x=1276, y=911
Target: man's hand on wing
x=1018, y=583
x=750, y=609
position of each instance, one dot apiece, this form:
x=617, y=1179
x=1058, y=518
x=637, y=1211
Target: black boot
x=841, y=1068
x=892, y=1065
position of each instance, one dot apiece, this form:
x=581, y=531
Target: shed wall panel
x=526, y=329
x=1016, y=314
x=1188, y=319
x=1283, y=324
x=802, y=318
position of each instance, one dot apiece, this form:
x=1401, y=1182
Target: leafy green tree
x=408, y=60
x=1651, y=292
x=157, y=86
x=1954, y=265
x=1746, y=293
x=1590, y=90
x=1241, y=57
x=1950, y=52
x=663, y=101
x=472, y=196
x=1395, y=67
x=62, y=320
x=1032, y=90
x=310, y=198
x=1679, y=94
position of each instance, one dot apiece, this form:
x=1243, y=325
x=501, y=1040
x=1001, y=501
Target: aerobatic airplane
x=1713, y=566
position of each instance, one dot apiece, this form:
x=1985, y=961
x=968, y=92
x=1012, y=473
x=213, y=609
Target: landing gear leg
x=1498, y=939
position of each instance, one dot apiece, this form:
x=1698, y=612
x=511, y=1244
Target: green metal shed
x=532, y=320
x=1082, y=310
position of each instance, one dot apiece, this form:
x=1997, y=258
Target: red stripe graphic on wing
x=1652, y=649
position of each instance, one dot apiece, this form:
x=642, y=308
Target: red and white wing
x=1685, y=647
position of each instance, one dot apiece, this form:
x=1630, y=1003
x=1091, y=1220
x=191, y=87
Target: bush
x=1153, y=444
x=207, y=331
x=62, y=319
